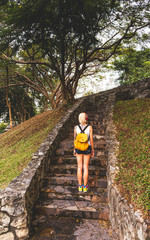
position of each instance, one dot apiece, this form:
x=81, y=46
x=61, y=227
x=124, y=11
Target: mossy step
x=72, y=193
x=72, y=169
x=69, y=208
x=71, y=180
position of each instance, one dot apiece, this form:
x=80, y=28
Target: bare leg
x=79, y=168
x=86, y=168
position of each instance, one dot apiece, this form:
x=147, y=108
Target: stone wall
x=128, y=223
x=18, y=199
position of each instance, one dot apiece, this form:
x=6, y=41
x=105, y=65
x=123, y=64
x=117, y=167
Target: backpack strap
x=82, y=130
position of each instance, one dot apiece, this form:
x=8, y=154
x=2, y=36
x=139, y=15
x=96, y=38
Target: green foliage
x=22, y=106
x=132, y=122
x=133, y=65
x=70, y=34
x=55, y=25
x=2, y=126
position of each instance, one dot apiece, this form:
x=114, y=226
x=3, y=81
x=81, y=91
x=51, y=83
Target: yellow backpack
x=81, y=141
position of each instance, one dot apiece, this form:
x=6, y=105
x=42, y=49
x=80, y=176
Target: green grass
x=18, y=144
x=132, y=120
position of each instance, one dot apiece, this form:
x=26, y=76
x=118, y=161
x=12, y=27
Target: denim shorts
x=87, y=152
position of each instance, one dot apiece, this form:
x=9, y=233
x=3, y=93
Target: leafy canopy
x=74, y=35
x=133, y=65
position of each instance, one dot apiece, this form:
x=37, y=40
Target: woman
x=83, y=157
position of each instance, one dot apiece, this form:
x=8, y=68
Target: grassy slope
x=18, y=144
x=132, y=123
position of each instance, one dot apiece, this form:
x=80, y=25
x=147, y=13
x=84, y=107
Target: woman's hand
x=74, y=152
x=92, y=154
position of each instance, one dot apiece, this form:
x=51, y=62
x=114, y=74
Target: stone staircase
x=64, y=213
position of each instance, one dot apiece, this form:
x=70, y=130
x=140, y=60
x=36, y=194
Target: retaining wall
x=128, y=223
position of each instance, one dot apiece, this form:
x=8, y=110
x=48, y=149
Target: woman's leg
x=79, y=168
x=86, y=168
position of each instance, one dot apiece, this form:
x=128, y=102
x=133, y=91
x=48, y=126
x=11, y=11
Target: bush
x=2, y=126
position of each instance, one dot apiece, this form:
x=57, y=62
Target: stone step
x=60, y=206
x=69, y=144
x=62, y=151
x=71, y=180
x=94, y=194
x=96, y=161
x=95, y=137
x=95, y=112
x=95, y=118
x=72, y=169
x=71, y=228
x=69, y=208
x=99, y=131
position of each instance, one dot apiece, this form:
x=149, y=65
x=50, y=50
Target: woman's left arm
x=75, y=134
x=91, y=140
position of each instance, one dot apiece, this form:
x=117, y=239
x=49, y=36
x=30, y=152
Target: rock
x=100, y=153
x=139, y=231
x=22, y=233
x=96, y=199
x=19, y=222
x=41, y=153
x=59, y=189
x=7, y=236
x=4, y=219
x=60, y=151
x=3, y=229
x=8, y=209
x=138, y=216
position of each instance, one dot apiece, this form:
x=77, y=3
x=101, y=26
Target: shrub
x=2, y=126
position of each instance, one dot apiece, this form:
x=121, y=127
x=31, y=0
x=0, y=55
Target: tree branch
x=116, y=43
x=24, y=62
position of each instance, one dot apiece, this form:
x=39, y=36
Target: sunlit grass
x=18, y=144
x=132, y=119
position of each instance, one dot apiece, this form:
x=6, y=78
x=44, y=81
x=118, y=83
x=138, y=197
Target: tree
x=5, y=78
x=22, y=106
x=15, y=102
x=75, y=35
x=133, y=65
x=37, y=77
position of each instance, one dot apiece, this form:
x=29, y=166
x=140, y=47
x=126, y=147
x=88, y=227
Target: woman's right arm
x=91, y=141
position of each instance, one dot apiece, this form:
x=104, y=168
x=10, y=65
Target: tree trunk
x=7, y=100
x=67, y=93
x=64, y=94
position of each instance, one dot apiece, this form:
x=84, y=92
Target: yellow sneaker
x=80, y=188
x=85, y=188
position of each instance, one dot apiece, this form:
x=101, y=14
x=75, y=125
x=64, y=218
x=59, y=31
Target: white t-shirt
x=87, y=131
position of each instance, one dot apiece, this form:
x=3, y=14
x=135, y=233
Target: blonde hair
x=82, y=118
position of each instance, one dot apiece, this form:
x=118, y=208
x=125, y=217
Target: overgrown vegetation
x=2, y=126
x=18, y=144
x=132, y=122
